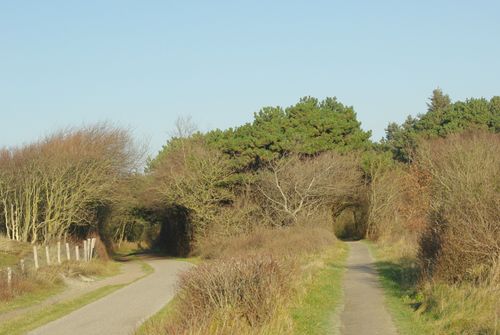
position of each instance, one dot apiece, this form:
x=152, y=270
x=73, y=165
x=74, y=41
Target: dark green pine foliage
x=442, y=118
x=308, y=127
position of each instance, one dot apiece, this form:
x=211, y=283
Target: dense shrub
x=229, y=294
x=462, y=237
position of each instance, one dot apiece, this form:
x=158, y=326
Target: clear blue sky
x=142, y=64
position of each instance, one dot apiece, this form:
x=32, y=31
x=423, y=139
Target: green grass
x=30, y=299
x=399, y=280
x=316, y=312
x=34, y=320
x=193, y=260
x=156, y=322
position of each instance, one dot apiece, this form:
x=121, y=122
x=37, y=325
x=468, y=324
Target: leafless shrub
x=229, y=294
x=462, y=240
x=398, y=199
x=284, y=242
x=294, y=186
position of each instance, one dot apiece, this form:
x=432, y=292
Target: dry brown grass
x=48, y=277
x=231, y=295
x=283, y=242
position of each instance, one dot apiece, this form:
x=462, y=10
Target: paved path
x=122, y=311
x=75, y=288
x=364, y=310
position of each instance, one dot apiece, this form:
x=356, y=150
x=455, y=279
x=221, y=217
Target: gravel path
x=122, y=311
x=364, y=310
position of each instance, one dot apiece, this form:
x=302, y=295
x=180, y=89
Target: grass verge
x=47, y=282
x=151, y=325
x=31, y=298
x=316, y=312
x=399, y=279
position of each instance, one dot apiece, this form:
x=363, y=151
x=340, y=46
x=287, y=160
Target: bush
x=462, y=237
x=231, y=295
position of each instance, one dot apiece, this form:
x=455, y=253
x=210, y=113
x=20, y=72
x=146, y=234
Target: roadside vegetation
x=262, y=206
x=264, y=282
x=435, y=219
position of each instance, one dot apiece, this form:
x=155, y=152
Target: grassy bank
x=424, y=307
x=316, y=311
x=36, y=286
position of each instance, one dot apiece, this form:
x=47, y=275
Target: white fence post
x=68, y=255
x=35, y=256
x=85, y=250
x=77, y=253
x=89, y=250
x=9, y=277
x=59, y=252
x=47, y=254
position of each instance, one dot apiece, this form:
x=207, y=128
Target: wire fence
x=42, y=256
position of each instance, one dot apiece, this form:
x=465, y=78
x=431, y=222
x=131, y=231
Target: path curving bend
x=122, y=311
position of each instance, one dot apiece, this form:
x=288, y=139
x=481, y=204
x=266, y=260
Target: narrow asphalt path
x=364, y=310
x=130, y=271
x=122, y=311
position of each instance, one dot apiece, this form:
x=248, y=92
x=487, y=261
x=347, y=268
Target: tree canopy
x=308, y=128
x=442, y=118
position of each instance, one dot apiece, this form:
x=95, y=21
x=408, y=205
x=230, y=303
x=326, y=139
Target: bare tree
x=59, y=181
x=295, y=186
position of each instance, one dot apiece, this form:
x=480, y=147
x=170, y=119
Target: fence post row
x=88, y=253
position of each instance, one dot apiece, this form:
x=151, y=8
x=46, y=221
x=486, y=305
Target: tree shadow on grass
x=401, y=279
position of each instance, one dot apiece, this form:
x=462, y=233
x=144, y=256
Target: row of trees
x=306, y=163
x=58, y=185
x=312, y=162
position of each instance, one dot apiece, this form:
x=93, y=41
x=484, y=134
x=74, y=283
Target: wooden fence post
x=85, y=250
x=59, y=252
x=47, y=254
x=89, y=250
x=68, y=255
x=35, y=256
x=22, y=265
x=92, y=246
x=77, y=253
x=9, y=277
